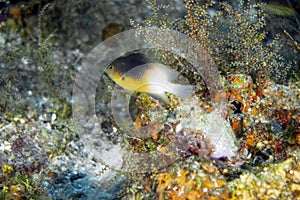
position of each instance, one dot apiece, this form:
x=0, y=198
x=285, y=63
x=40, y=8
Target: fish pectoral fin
x=162, y=97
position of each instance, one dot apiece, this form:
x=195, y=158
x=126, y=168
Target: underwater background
x=238, y=142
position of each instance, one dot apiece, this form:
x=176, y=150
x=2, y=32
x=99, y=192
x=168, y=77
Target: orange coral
x=15, y=13
x=252, y=139
x=189, y=186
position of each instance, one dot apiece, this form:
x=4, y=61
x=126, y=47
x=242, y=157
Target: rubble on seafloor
x=43, y=158
x=264, y=119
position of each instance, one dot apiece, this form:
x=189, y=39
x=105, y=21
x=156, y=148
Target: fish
x=135, y=73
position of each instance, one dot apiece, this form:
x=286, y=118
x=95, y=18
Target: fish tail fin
x=182, y=91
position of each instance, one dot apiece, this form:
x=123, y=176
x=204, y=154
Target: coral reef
x=245, y=148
